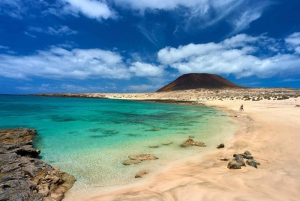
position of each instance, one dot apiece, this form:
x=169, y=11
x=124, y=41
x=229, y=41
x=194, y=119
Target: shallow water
x=90, y=138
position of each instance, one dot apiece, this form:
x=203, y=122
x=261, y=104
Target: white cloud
x=293, y=42
x=4, y=47
x=293, y=39
x=158, y=4
x=57, y=31
x=30, y=35
x=146, y=70
x=90, y=8
x=200, y=14
x=59, y=63
x=59, y=87
x=297, y=50
x=246, y=14
x=142, y=87
x=12, y=8
x=237, y=55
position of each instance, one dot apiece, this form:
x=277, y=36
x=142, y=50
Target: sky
x=141, y=45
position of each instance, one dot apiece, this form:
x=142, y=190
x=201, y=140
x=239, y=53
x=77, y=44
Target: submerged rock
x=153, y=146
x=22, y=175
x=138, y=158
x=141, y=174
x=191, y=142
x=220, y=146
x=167, y=143
x=142, y=157
x=131, y=162
x=154, y=129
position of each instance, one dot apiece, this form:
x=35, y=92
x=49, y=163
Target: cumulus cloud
x=293, y=39
x=241, y=55
x=59, y=63
x=90, y=8
x=293, y=42
x=57, y=31
x=146, y=70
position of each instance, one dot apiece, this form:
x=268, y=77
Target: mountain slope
x=198, y=80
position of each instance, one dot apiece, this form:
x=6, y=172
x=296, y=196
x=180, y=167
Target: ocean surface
x=90, y=138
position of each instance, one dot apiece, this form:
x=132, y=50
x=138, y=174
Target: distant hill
x=199, y=80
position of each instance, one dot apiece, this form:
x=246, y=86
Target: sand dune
x=269, y=129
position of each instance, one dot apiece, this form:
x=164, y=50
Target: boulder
x=253, y=163
x=247, y=155
x=220, y=146
x=239, y=159
x=233, y=164
x=191, y=142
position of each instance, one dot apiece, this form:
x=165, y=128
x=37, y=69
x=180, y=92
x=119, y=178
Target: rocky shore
x=25, y=177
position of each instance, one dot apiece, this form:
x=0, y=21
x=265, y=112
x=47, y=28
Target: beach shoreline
x=261, y=133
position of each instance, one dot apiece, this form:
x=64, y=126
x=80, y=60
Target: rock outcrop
x=238, y=161
x=191, y=142
x=25, y=177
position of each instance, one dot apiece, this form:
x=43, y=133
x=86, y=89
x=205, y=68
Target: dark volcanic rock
x=239, y=159
x=220, y=146
x=22, y=175
x=247, y=155
x=198, y=80
x=253, y=163
x=233, y=164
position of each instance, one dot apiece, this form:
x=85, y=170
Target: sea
x=91, y=137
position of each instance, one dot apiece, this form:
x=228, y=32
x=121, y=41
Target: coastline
x=23, y=176
x=272, y=141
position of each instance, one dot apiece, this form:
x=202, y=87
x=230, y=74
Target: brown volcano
x=198, y=80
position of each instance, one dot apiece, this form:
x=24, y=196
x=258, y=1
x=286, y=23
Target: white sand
x=270, y=130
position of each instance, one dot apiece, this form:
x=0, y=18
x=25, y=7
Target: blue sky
x=141, y=45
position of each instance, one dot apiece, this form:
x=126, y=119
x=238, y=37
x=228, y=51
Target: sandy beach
x=269, y=129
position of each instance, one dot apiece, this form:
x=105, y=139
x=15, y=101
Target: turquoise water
x=90, y=138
